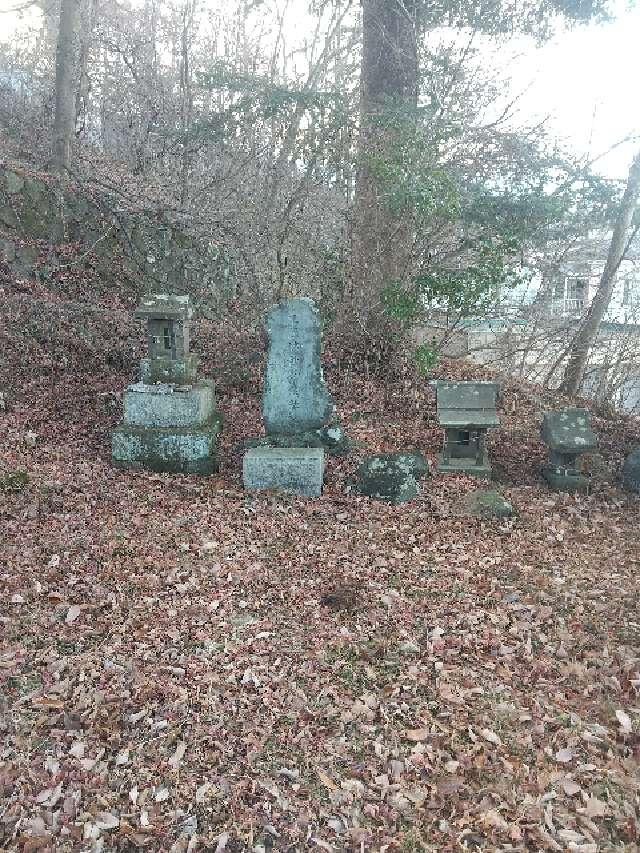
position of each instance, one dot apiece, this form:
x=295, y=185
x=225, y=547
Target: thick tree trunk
x=588, y=331
x=65, y=84
x=380, y=236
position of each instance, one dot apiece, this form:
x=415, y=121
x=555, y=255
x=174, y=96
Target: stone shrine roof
x=466, y=404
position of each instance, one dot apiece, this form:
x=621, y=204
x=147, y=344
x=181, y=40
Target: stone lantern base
x=168, y=428
x=563, y=479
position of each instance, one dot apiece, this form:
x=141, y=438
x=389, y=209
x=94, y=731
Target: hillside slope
x=176, y=675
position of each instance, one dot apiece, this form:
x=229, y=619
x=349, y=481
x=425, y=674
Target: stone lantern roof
x=568, y=431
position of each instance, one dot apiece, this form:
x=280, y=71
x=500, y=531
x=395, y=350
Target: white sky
x=585, y=81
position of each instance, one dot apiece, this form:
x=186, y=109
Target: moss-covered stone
x=390, y=477
x=47, y=209
x=185, y=451
x=14, y=481
x=487, y=503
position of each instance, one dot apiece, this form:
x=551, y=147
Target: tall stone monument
x=170, y=418
x=631, y=472
x=568, y=434
x=295, y=399
x=297, y=408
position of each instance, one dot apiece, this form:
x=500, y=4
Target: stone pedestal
x=476, y=466
x=299, y=470
x=168, y=428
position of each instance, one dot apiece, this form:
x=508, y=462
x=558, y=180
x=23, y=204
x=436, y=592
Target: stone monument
x=170, y=418
x=297, y=409
x=631, y=472
x=295, y=397
x=466, y=410
x=568, y=434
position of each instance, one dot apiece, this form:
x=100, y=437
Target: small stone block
x=165, y=406
x=568, y=431
x=487, y=503
x=294, y=469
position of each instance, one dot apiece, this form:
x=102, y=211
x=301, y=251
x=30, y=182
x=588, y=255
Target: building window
x=570, y=295
x=576, y=294
x=630, y=293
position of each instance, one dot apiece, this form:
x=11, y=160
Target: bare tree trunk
x=186, y=108
x=380, y=237
x=588, y=331
x=65, y=84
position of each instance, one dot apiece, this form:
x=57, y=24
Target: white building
x=533, y=324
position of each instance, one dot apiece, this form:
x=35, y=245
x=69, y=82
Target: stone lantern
x=170, y=418
x=466, y=410
x=568, y=434
x=169, y=359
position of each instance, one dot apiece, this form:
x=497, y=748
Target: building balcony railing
x=567, y=306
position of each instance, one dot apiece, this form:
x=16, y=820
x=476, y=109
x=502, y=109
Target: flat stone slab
x=299, y=470
x=167, y=406
x=185, y=451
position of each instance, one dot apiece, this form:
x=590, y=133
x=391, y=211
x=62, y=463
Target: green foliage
x=253, y=99
x=14, y=481
x=400, y=304
x=475, y=286
x=495, y=17
x=426, y=357
x=403, y=161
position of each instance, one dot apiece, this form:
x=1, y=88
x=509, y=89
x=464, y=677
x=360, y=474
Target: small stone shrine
x=297, y=409
x=170, y=417
x=568, y=434
x=466, y=410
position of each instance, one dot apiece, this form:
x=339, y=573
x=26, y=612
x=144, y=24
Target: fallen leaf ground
x=188, y=667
